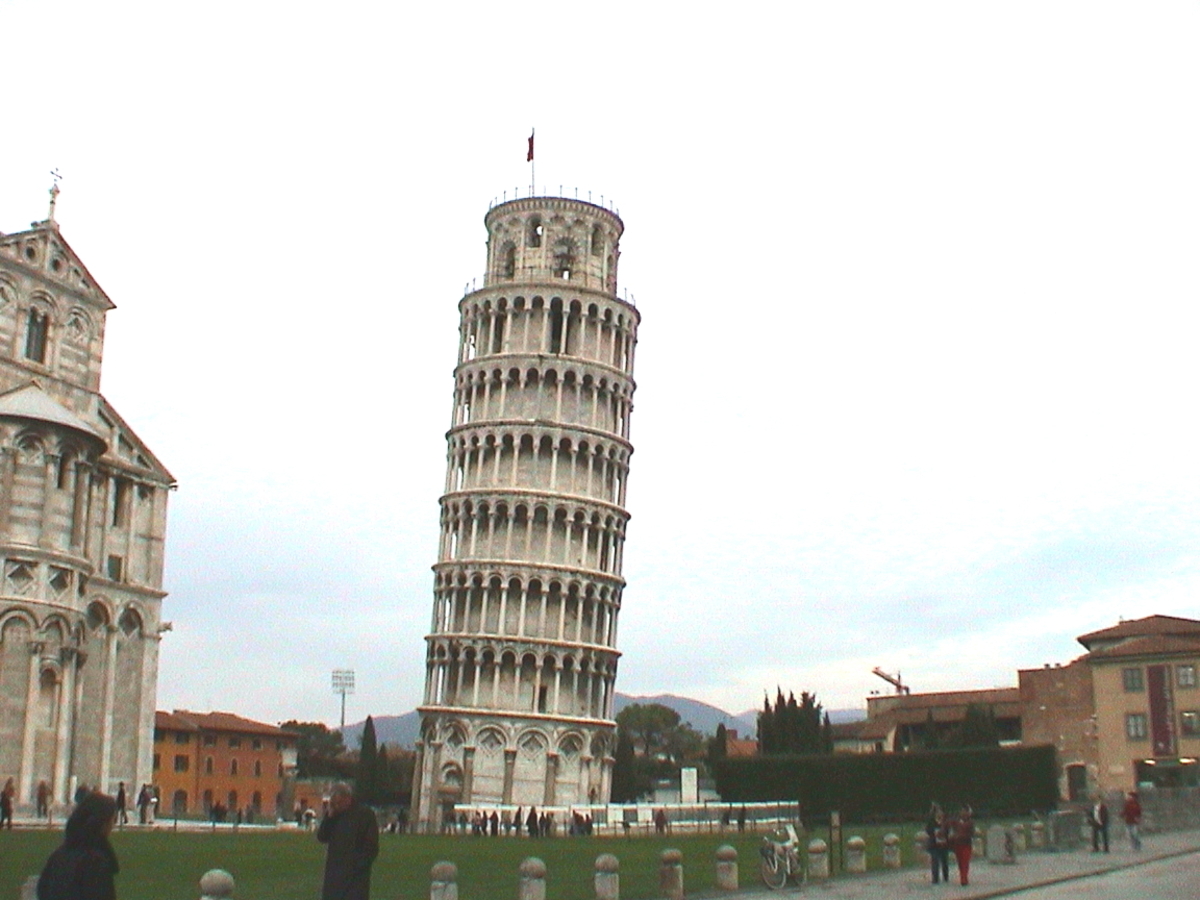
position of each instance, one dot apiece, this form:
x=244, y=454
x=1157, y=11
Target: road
x=1177, y=878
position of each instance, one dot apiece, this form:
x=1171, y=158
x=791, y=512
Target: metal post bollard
x=443, y=881
x=891, y=851
x=216, y=884
x=727, y=868
x=533, y=879
x=670, y=874
x=608, y=877
x=818, y=859
x=856, y=855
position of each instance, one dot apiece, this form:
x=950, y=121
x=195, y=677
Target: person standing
x=1132, y=814
x=1099, y=821
x=531, y=822
x=962, y=833
x=938, y=844
x=143, y=804
x=122, y=815
x=7, y=796
x=85, y=866
x=352, y=834
x=43, y=800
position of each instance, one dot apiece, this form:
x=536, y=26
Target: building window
x=233, y=767
x=157, y=762
x=210, y=740
x=35, y=336
x=116, y=568
x=235, y=742
x=1185, y=676
x=181, y=763
x=1135, y=726
x=181, y=738
x=120, y=501
x=258, y=767
x=1189, y=723
x=208, y=765
x=1134, y=680
x=256, y=744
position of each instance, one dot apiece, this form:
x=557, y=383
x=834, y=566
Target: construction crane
x=893, y=680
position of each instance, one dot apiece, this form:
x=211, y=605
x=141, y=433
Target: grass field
x=287, y=865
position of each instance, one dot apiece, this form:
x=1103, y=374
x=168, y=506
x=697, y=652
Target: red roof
x=183, y=720
x=1150, y=645
x=1160, y=625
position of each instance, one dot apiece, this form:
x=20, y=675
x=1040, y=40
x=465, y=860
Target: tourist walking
x=7, y=798
x=351, y=834
x=962, y=833
x=938, y=844
x=1132, y=814
x=122, y=815
x=1099, y=823
x=85, y=866
x=531, y=822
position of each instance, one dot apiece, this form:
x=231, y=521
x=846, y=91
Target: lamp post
x=343, y=683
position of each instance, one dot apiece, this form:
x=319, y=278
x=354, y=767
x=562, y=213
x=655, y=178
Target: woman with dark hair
x=84, y=866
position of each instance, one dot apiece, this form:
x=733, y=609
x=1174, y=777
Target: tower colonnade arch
x=521, y=657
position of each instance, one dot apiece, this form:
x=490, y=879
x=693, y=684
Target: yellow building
x=1147, y=704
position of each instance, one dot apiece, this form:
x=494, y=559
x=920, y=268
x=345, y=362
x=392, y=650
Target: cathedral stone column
x=66, y=718
x=29, y=734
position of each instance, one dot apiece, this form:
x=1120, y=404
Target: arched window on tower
x=564, y=258
x=36, y=332
x=534, y=231
x=508, y=260
x=597, y=241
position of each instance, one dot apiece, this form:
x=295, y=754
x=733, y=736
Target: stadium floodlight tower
x=521, y=659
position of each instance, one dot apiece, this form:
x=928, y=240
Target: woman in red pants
x=962, y=831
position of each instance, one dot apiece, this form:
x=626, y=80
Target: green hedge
x=878, y=786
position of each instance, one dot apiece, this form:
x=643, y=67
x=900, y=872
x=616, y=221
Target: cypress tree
x=368, y=765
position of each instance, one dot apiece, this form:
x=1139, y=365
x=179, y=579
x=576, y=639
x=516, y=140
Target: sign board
x=689, y=786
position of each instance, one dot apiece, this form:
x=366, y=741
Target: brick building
x=202, y=759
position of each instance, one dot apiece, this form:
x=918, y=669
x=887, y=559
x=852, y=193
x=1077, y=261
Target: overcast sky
x=917, y=373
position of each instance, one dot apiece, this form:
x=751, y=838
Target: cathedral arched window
x=37, y=330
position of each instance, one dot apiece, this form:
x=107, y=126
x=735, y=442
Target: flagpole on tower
x=532, y=168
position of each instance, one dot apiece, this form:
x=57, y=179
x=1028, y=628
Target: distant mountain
x=402, y=731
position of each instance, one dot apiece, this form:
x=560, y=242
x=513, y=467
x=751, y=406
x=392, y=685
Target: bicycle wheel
x=774, y=871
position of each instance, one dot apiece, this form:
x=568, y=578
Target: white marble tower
x=521, y=658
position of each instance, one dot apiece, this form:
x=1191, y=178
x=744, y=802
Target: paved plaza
x=1167, y=868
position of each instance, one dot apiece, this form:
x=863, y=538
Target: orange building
x=205, y=759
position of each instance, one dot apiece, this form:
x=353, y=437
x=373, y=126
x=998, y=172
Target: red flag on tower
x=529, y=155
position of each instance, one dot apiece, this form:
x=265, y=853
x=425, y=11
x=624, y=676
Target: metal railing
x=530, y=191
x=579, y=278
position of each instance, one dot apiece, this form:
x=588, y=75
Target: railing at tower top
x=578, y=278
x=524, y=193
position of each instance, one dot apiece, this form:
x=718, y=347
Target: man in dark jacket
x=352, y=834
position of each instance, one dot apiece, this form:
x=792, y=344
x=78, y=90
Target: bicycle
x=781, y=860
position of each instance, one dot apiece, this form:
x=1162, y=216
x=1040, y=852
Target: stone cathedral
x=83, y=510
x=521, y=659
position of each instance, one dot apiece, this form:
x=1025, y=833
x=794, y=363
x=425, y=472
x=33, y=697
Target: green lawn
x=270, y=865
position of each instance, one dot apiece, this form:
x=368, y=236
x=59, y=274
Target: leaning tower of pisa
x=521, y=657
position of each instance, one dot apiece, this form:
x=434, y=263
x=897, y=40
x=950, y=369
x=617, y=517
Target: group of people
x=946, y=834
x=1131, y=814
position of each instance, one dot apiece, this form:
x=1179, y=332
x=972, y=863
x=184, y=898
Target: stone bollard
x=443, y=881
x=29, y=888
x=533, y=879
x=608, y=877
x=1019, y=836
x=818, y=859
x=856, y=855
x=1037, y=835
x=670, y=874
x=727, y=868
x=1000, y=845
x=891, y=851
x=216, y=884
